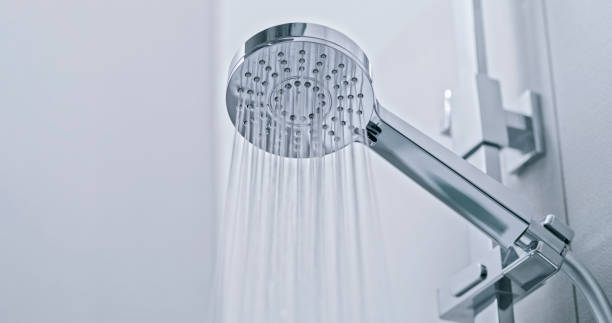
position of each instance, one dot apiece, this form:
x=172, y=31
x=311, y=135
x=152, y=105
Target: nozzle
x=300, y=90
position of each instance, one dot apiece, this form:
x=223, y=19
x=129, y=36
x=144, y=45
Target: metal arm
x=487, y=204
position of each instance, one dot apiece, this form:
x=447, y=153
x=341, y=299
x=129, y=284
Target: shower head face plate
x=300, y=90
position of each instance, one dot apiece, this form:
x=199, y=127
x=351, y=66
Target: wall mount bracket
x=517, y=129
x=525, y=133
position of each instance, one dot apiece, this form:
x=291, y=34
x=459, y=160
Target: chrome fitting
x=537, y=255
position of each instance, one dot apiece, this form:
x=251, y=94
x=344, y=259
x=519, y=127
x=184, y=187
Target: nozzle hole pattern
x=300, y=87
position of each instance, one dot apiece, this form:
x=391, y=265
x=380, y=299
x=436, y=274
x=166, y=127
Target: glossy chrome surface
x=487, y=204
x=558, y=228
x=519, y=273
x=299, y=31
x=300, y=90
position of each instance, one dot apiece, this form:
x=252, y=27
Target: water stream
x=299, y=238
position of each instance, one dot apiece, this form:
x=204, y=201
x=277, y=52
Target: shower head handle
x=484, y=202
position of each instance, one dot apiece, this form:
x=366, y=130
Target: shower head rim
x=300, y=31
x=281, y=36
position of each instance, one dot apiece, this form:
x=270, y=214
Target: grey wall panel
x=581, y=47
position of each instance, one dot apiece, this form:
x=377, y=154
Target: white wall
x=106, y=201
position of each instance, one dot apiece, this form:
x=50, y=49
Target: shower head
x=304, y=90
x=300, y=90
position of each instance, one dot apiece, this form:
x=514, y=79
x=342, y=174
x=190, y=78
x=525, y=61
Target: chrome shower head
x=304, y=90
x=300, y=90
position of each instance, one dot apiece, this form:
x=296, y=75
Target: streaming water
x=299, y=239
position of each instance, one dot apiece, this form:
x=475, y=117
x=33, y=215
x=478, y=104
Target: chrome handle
x=487, y=204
